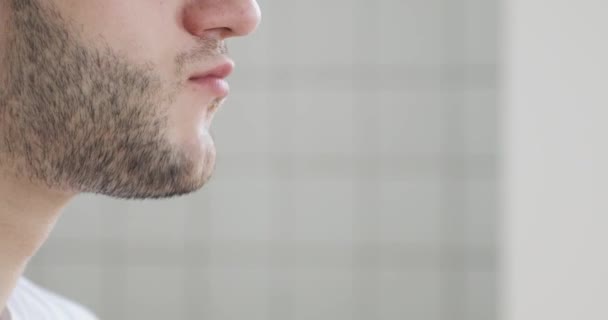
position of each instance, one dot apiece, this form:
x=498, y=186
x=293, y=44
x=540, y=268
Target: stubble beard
x=81, y=119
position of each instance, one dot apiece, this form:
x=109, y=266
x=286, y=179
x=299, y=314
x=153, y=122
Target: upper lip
x=220, y=70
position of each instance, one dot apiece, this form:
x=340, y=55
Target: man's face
x=115, y=96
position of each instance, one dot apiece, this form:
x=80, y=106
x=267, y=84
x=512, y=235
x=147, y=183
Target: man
x=104, y=96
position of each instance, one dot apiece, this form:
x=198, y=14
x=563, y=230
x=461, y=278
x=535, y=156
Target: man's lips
x=214, y=80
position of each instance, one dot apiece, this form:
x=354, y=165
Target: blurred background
x=356, y=179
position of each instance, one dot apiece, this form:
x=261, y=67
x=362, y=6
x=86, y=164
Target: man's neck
x=27, y=215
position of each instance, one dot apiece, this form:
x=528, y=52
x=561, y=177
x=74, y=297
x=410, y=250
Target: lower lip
x=217, y=86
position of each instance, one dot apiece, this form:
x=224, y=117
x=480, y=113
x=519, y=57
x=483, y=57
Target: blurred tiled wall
x=356, y=179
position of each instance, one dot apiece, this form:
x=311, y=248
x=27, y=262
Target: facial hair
x=83, y=119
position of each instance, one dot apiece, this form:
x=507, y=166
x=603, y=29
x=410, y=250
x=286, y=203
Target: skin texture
x=84, y=118
x=95, y=97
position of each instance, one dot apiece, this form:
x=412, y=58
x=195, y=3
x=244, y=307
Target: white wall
x=356, y=180
x=556, y=176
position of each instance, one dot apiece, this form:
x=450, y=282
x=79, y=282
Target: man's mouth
x=214, y=79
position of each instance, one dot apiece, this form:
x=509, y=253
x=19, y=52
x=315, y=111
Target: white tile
x=409, y=294
x=237, y=167
x=230, y=293
x=312, y=32
x=114, y=218
x=481, y=213
x=322, y=211
x=59, y=251
x=242, y=125
x=241, y=211
x=322, y=122
x=153, y=223
x=410, y=32
x=198, y=214
x=481, y=295
x=482, y=37
x=410, y=123
x=323, y=294
x=480, y=114
x=409, y=213
x=115, y=301
x=282, y=106
x=155, y=292
x=81, y=218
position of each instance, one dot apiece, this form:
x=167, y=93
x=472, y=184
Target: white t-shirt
x=31, y=302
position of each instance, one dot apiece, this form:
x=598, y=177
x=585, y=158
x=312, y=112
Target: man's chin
x=172, y=191
x=184, y=182
x=164, y=181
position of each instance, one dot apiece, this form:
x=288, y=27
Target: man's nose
x=221, y=18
